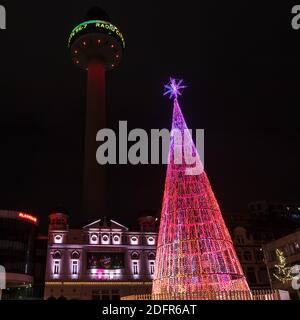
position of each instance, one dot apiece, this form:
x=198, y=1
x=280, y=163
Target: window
x=134, y=240
x=151, y=267
x=247, y=256
x=259, y=255
x=57, y=255
x=263, y=275
x=251, y=275
x=240, y=239
x=296, y=246
x=75, y=255
x=151, y=256
x=105, y=239
x=151, y=241
x=135, y=256
x=58, y=238
x=135, y=268
x=94, y=239
x=116, y=239
x=56, y=267
x=74, y=267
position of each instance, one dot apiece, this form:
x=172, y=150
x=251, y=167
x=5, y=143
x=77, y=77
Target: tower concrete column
x=95, y=176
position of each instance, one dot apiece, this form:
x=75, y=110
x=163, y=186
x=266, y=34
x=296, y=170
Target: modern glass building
x=18, y=231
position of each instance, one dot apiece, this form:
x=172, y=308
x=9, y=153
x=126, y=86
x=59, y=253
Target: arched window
x=75, y=255
x=105, y=239
x=151, y=241
x=58, y=238
x=57, y=255
x=151, y=256
x=94, y=239
x=134, y=240
x=135, y=256
x=116, y=239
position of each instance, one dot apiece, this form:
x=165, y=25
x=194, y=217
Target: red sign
x=27, y=216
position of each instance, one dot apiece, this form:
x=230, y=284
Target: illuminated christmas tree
x=284, y=273
x=194, y=251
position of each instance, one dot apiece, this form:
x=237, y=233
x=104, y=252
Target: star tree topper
x=174, y=87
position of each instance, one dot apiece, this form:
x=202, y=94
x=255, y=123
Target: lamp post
x=268, y=271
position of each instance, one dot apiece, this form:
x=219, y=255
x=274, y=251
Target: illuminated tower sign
x=194, y=251
x=96, y=46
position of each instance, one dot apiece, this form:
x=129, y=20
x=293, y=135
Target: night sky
x=240, y=60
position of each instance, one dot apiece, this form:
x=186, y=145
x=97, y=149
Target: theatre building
x=103, y=260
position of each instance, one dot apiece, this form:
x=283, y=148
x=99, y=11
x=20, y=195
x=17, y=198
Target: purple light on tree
x=194, y=250
x=173, y=88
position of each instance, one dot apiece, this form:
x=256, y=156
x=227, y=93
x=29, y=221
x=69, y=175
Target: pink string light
x=195, y=251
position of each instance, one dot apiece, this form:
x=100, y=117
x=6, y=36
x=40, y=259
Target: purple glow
x=173, y=88
x=195, y=252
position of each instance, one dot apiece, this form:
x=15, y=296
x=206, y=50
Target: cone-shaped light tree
x=194, y=251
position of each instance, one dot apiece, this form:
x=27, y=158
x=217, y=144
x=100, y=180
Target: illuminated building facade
x=289, y=245
x=195, y=251
x=103, y=260
x=264, y=222
x=96, y=46
x=18, y=243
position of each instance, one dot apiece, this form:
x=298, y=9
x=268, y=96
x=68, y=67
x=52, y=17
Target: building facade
x=17, y=235
x=289, y=245
x=251, y=256
x=103, y=260
x=274, y=219
x=264, y=222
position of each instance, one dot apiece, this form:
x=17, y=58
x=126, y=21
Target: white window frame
x=135, y=268
x=56, y=267
x=75, y=267
x=152, y=267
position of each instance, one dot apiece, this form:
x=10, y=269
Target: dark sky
x=240, y=60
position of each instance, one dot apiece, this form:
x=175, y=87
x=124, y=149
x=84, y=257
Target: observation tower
x=96, y=46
